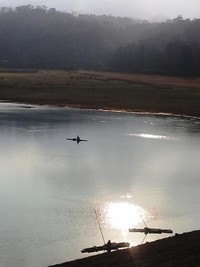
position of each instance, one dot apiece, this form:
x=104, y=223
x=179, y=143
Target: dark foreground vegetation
x=103, y=90
x=41, y=38
x=180, y=250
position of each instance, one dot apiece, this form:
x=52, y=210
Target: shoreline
x=133, y=93
x=178, y=250
x=148, y=113
x=137, y=112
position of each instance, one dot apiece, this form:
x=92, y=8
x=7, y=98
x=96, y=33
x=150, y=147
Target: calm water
x=132, y=167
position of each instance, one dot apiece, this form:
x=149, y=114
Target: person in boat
x=78, y=138
x=108, y=246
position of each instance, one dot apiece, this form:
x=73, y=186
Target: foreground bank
x=103, y=90
x=179, y=250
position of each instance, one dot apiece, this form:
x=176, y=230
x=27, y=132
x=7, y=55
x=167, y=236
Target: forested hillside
x=41, y=38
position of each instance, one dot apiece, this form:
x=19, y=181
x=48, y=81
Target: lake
x=134, y=169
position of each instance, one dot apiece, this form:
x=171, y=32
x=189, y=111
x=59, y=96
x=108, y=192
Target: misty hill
x=41, y=38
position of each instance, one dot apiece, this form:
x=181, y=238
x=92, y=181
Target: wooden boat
x=147, y=230
x=109, y=246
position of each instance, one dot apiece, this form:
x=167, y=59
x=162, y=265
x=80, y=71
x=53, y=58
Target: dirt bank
x=180, y=250
x=103, y=90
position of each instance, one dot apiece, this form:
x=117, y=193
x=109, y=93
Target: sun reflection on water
x=152, y=136
x=122, y=215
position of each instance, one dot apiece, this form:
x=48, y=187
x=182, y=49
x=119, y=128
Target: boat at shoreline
x=109, y=246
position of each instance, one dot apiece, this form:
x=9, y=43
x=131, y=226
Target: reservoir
x=135, y=169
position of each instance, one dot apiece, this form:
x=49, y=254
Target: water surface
x=133, y=168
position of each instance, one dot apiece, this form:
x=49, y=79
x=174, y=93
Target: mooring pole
x=99, y=226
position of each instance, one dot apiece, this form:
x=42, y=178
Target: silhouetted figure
x=77, y=139
x=108, y=246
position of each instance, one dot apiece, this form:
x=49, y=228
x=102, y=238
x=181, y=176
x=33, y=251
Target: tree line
x=41, y=38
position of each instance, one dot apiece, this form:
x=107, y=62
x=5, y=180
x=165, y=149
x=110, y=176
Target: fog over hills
x=37, y=37
x=139, y=9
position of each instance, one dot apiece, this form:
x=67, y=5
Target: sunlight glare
x=123, y=215
x=152, y=136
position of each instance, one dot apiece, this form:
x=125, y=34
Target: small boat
x=109, y=246
x=147, y=230
x=77, y=139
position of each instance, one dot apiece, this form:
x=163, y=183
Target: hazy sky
x=145, y=9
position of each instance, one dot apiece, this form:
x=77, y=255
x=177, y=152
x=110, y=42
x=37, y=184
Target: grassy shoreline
x=103, y=90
